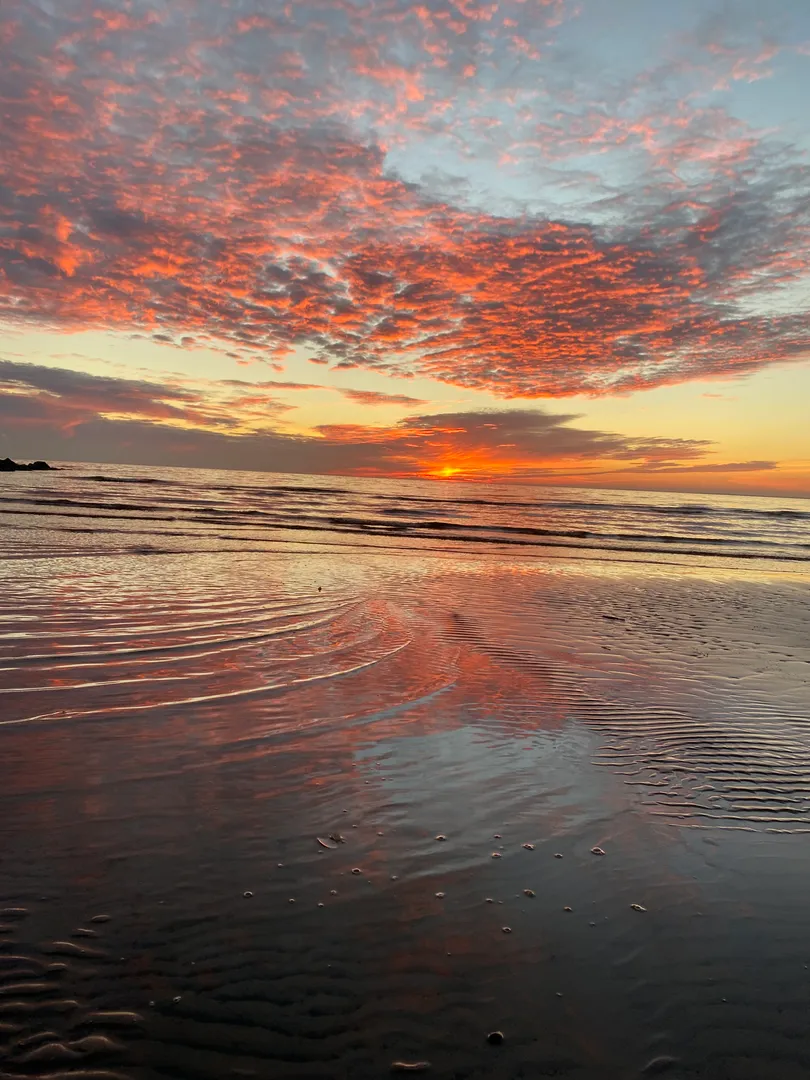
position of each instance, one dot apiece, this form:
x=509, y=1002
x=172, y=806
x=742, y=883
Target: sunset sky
x=537, y=240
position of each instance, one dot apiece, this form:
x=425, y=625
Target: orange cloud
x=207, y=175
x=70, y=415
x=374, y=397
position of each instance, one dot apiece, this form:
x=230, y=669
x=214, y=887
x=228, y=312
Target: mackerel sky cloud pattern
x=444, y=188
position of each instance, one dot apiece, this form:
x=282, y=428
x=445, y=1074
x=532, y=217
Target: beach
x=316, y=777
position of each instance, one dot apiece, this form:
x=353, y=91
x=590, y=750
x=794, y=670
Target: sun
x=446, y=471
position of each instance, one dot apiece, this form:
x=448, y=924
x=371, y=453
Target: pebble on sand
x=440, y=896
x=333, y=892
x=247, y=894
x=356, y=870
x=496, y=854
x=410, y=1066
x=557, y=855
x=506, y=929
x=497, y=836
x=529, y=892
x=441, y=836
x=495, y=1038
x=529, y=847
x=489, y=900
x=175, y=999
x=638, y=907
x=597, y=851
x=566, y=908
x=100, y=918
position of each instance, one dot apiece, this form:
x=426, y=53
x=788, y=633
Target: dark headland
x=7, y=465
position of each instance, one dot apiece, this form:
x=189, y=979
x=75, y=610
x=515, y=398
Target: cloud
x=361, y=397
x=275, y=384
x=67, y=415
x=80, y=396
x=374, y=397
x=217, y=175
x=520, y=443
x=33, y=393
x=715, y=467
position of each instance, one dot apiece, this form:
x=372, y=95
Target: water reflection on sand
x=179, y=732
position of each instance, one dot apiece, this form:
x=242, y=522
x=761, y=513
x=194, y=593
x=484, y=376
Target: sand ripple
x=48, y=1025
x=180, y=733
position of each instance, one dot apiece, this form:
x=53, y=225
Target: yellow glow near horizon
x=761, y=416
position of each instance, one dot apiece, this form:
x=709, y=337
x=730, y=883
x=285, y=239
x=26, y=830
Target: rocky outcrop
x=7, y=465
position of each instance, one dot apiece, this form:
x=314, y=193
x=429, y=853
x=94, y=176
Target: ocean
x=85, y=509
x=328, y=777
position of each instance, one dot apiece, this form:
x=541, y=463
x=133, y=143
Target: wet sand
x=178, y=733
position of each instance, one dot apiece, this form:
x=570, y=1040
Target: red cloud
x=206, y=175
x=374, y=397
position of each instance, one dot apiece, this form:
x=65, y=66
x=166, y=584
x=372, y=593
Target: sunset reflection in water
x=179, y=734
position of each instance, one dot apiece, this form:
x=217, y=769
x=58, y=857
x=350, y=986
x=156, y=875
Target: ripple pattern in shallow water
x=145, y=654
x=685, y=723
x=199, y=725
x=736, y=774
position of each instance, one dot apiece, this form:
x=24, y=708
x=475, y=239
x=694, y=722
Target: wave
x=684, y=510
x=126, y=480
x=189, y=512
x=180, y=510
x=594, y=506
x=494, y=543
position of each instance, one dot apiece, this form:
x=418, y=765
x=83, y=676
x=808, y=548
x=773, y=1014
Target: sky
x=527, y=240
